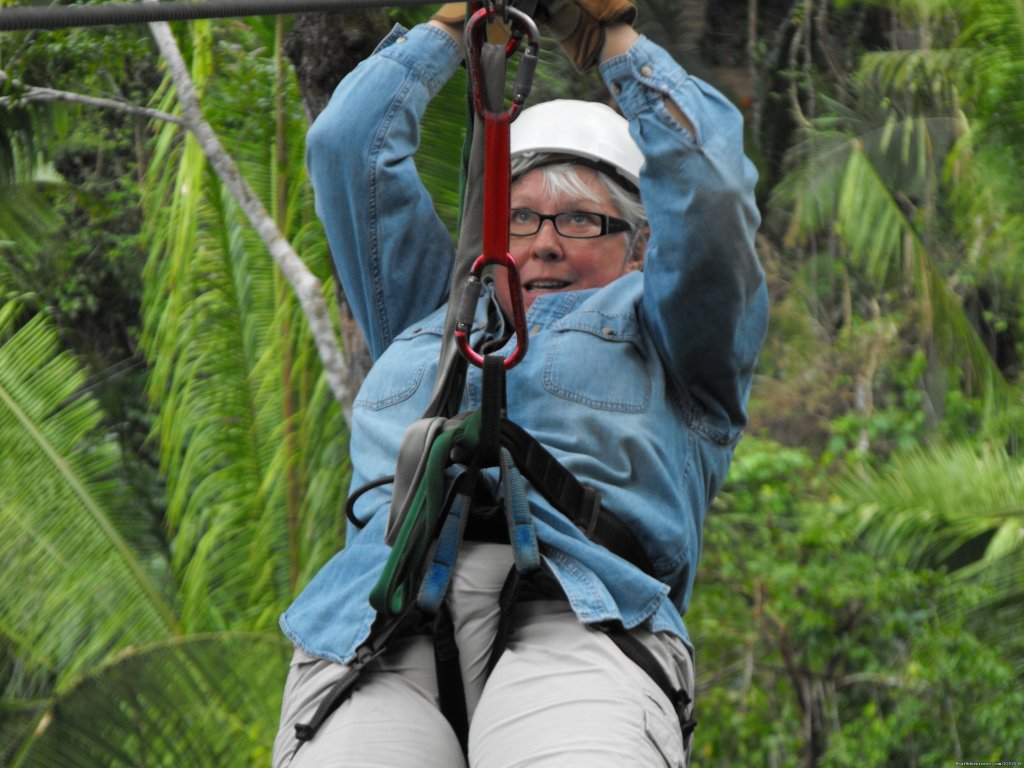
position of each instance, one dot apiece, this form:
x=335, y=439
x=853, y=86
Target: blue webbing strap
x=521, y=532
x=438, y=574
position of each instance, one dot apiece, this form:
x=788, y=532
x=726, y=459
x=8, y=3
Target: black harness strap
x=579, y=502
x=506, y=604
x=641, y=655
x=450, y=688
x=380, y=636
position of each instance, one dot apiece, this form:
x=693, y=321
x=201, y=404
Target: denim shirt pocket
x=597, y=360
x=397, y=374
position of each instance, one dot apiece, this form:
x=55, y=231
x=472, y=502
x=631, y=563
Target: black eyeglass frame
x=610, y=225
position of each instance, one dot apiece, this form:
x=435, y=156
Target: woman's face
x=549, y=262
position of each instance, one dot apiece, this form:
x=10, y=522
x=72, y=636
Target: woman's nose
x=547, y=243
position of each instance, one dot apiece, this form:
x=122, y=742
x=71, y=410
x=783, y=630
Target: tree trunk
x=324, y=47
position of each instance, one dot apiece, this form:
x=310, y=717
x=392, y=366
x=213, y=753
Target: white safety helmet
x=588, y=130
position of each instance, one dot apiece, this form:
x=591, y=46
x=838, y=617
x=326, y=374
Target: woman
x=636, y=379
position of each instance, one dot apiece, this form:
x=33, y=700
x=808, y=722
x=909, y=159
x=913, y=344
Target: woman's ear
x=635, y=260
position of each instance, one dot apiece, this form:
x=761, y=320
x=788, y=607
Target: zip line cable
x=64, y=16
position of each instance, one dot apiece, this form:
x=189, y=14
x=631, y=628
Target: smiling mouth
x=546, y=285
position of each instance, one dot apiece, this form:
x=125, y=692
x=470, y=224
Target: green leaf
x=207, y=700
x=68, y=535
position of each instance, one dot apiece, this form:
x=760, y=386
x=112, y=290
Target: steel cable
x=64, y=16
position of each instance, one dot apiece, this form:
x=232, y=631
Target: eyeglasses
x=578, y=224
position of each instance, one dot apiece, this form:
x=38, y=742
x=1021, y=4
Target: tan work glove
x=451, y=13
x=455, y=15
x=578, y=25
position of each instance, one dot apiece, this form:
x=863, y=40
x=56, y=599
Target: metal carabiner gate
x=497, y=172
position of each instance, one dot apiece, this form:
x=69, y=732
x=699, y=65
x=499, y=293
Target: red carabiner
x=521, y=26
x=497, y=181
x=464, y=323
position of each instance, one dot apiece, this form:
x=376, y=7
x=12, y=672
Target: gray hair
x=561, y=178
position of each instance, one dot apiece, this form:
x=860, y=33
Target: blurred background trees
x=173, y=465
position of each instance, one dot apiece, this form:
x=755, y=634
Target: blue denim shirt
x=639, y=387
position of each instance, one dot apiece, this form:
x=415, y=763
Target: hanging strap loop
x=489, y=103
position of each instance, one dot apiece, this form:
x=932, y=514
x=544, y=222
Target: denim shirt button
x=646, y=70
x=401, y=39
x=616, y=88
x=608, y=331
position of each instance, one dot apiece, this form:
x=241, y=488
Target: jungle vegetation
x=173, y=460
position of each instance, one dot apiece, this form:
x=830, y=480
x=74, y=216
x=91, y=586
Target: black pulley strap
x=64, y=16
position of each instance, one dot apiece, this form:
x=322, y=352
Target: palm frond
x=995, y=35
x=920, y=81
x=69, y=538
x=28, y=131
x=932, y=502
x=844, y=184
x=984, y=172
x=999, y=611
x=198, y=701
x=880, y=173
x=217, y=418
x=26, y=217
x=957, y=508
x=234, y=378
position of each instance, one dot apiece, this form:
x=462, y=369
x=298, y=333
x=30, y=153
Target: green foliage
x=859, y=596
x=957, y=507
x=815, y=646
x=250, y=439
x=888, y=161
x=26, y=217
x=64, y=518
x=243, y=422
x=199, y=701
x=954, y=697
x=95, y=671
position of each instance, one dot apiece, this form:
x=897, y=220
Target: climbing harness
x=430, y=508
x=445, y=471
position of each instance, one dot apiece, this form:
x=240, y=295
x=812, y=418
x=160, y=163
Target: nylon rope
x=61, y=17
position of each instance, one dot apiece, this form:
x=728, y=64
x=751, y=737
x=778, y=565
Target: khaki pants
x=561, y=695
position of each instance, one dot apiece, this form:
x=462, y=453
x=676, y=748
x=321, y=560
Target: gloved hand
x=451, y=13
x=578, y=25
x=454, y=14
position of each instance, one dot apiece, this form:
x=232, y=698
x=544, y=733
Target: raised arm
x=705, y=301
x=392, y=251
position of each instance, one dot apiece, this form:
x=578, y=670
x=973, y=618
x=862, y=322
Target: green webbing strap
x=399, y=581
x=477, y=437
